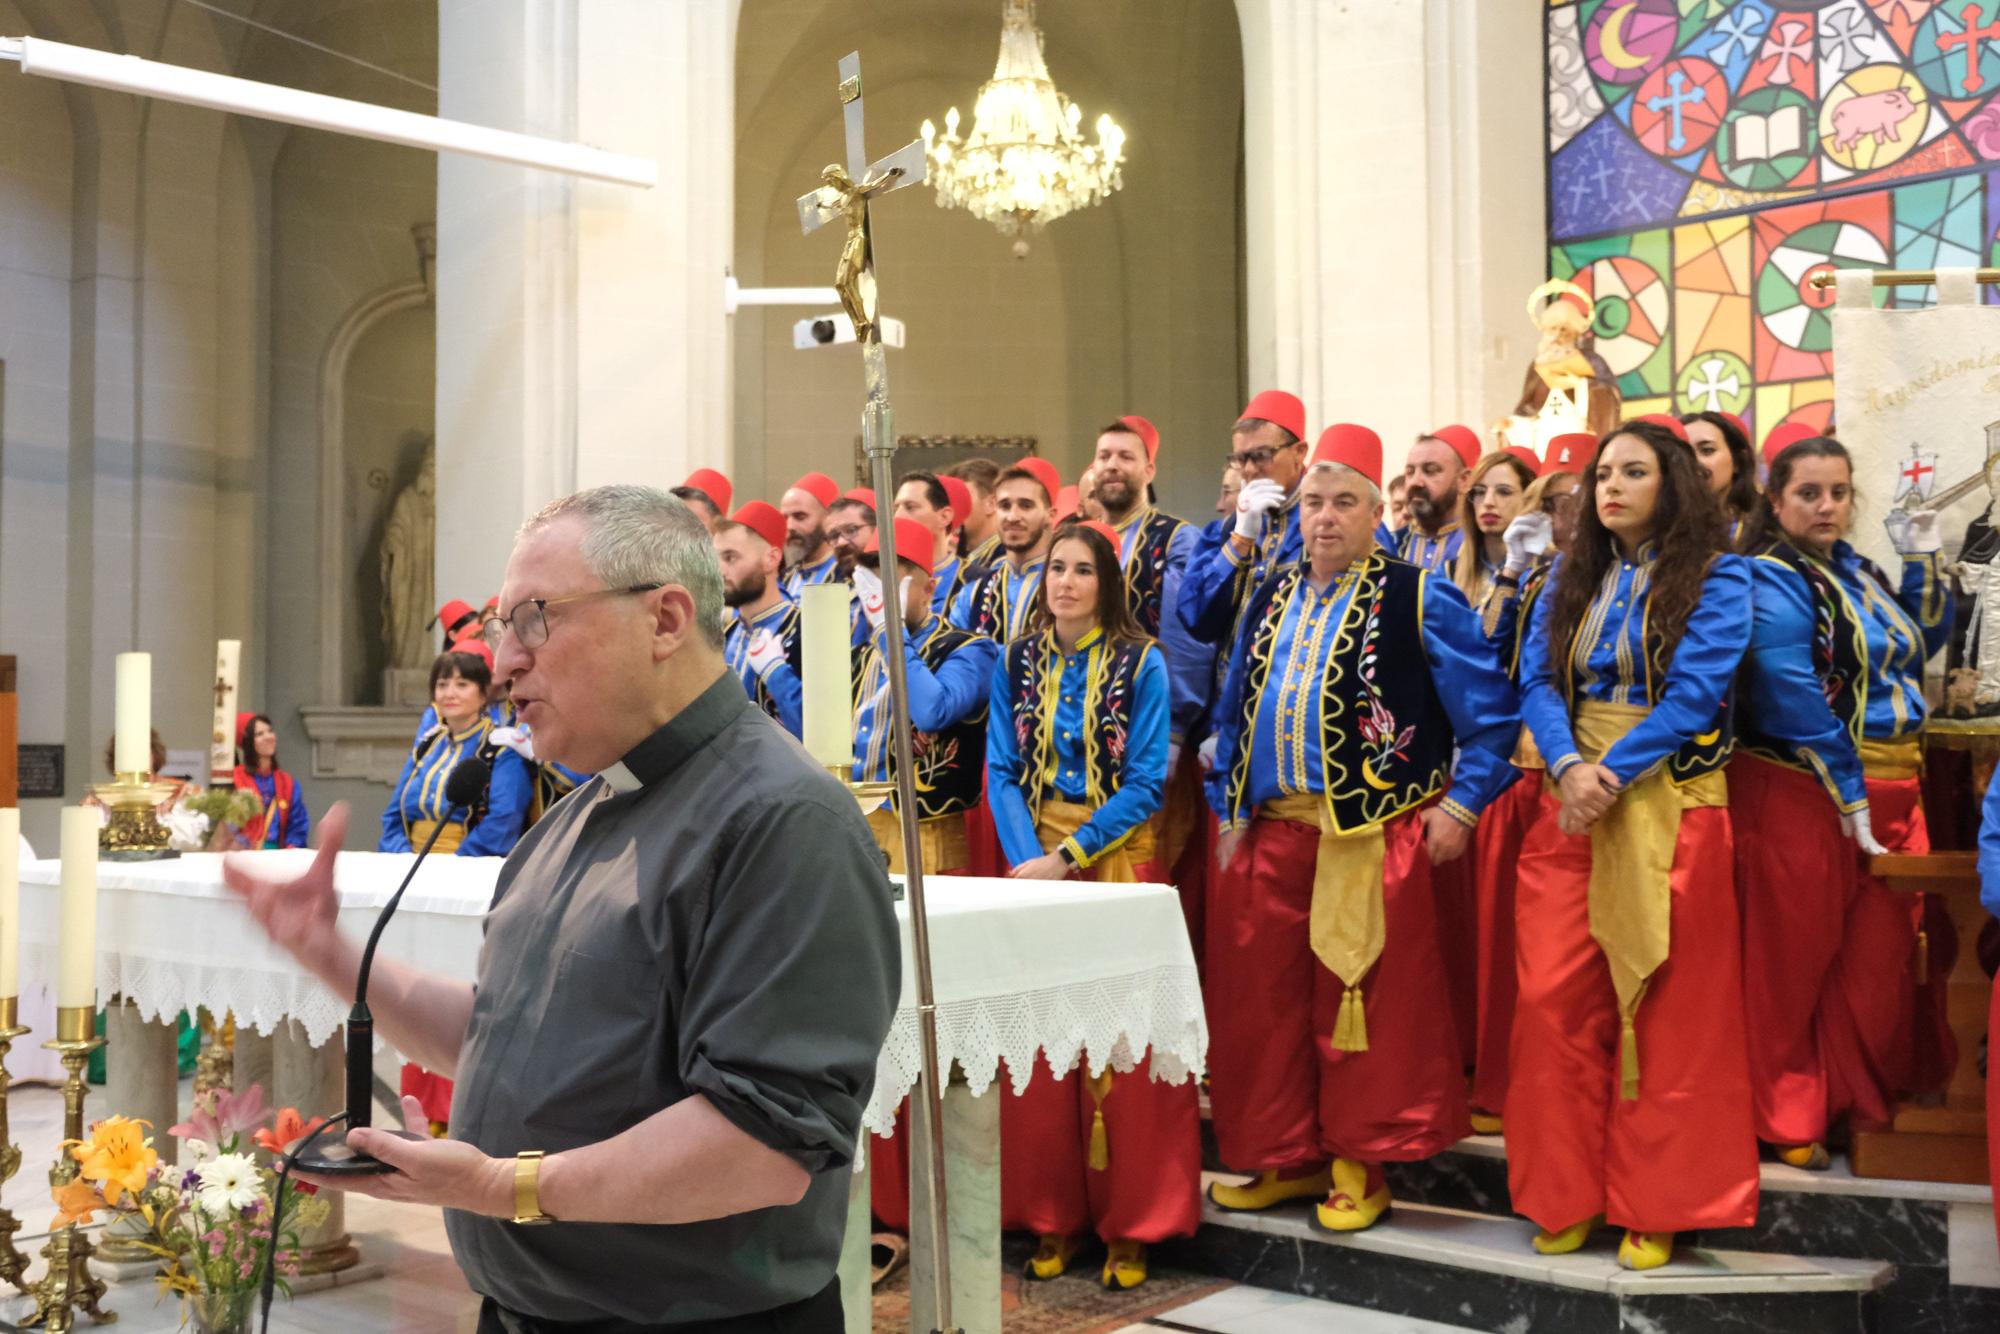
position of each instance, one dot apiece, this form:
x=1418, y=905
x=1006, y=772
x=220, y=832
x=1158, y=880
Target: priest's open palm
x=297, y=912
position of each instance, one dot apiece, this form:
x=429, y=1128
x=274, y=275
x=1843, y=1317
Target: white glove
x=1921, y=536
x=1857, y=827
x=766, y=652
x=516, y=739
x=868, y=588
x=1527, y=537
x=1253, y=504
x=1206, y=754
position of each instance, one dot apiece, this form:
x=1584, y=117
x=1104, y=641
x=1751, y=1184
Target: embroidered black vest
x=951, y=764
x=1146, y=567
x=1034, y=666
x=990, y=603
x=1386, y=741
x=1839, y=649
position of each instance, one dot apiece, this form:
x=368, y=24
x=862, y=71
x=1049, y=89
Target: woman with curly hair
x=1076, y=759
x=1629, y=1093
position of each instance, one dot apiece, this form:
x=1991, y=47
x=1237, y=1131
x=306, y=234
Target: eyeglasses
x=529, y=620
x=1559, y=504
x=848, y=532
x=1259, y=457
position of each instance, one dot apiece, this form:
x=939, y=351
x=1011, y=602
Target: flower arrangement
x=210, y=1217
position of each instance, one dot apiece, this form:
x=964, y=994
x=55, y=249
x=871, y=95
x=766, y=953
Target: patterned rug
x=1076, y=1303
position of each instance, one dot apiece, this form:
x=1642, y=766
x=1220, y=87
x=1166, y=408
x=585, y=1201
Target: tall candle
x=829, y=686
x=222, y=738
x=10, y=901
x=76, y=957
x=134, y=712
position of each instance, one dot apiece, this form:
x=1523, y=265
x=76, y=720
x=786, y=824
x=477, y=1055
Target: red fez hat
x=1783, y=436
x=1356, y=447
x=864, y=494
x=1146, y=432
x=1464, y=442
x=1568, y=451
x=243, y=721
x=1104, y=530
x=914, y=543
x=1671, y=425
x=1527, y=457
x=1045, y=472
x=713, y=485
x=959, y=496
x=762, y=519
x=1737, y=422
x=492, y=603
x=1066, y=503
x=820, y=487
x=477, y=646
x=451, y=614
x=1280, y=409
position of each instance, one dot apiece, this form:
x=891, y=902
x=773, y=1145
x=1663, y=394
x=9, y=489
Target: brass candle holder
x=13, y=1264
x=134, y=833
x=870, y=795
x=69, y=1284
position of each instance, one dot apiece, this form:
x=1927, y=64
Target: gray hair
x=1332, y=469
x=643, y=535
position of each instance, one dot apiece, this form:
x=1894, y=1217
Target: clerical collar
x=685, y=733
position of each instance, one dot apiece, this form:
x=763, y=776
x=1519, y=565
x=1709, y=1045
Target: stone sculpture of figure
x=1972, y=686
x=1566, y=359
x=409, y=542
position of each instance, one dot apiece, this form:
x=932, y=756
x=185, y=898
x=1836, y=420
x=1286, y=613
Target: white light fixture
x=268, y=101
x=1025, y=163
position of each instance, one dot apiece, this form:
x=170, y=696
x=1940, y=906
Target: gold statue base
x=69, y=1284
x=134, y=832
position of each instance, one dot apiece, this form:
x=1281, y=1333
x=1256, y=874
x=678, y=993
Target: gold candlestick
x=134, y=832
x=13, y=1264
x=870, y=795
x=69, y=1282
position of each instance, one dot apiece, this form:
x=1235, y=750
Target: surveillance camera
x=829, y=330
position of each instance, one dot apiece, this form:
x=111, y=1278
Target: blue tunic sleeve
x=1475, y=692
x=1190, y=662
x=788, y=693
x=298, y=824
x=393, y=838
x=1698, y=678
x=961, y=605
x=1142, y=772
x=1011, y=819
x=507, y=795
x=1926, y=595
x=953, y=692
x=1989, y=850
x=1205, y=601
x=1543, y=707
x=1785, y=699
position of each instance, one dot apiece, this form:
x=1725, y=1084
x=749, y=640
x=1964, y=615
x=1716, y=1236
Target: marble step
x=1478, y=1270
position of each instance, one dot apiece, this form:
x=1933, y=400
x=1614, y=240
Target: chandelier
x=1024, y=164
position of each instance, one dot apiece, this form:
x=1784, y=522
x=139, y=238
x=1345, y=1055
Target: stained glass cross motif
x=1678, y=96
x=1739, y=32
x=1788, y=44
x=1971, y=39
x=1711, y=387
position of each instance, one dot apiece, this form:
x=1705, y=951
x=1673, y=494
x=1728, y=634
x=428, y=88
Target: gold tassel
x=1100, y=1139
x=1923, y=957
x=1350, y=1025
x=1629, y=1059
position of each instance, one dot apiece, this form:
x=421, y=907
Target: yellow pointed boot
x=1569, y=1239
x=1646, y=1250
x=1486, y=1123
x=1358, y=1199
x=1052, y=1260
x=1268, y=1189
x=1812, y=1157
x=1125, y=1265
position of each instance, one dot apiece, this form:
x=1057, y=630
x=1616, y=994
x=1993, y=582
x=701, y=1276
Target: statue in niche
x=408, y=565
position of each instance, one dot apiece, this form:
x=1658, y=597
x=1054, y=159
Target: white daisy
x=229, y=1182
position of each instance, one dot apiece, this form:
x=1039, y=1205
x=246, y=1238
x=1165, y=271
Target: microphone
x=462, y=788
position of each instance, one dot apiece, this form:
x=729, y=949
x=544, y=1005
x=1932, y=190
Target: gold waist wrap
x=1527, y=755
x=1059, y=820
x=1347, y=925
x=1631, y=868
x=940, y=841
x=452, y=835
x=1889, y=761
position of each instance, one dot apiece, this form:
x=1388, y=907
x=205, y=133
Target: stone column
x=314, y=1080
x=252, y=1060
x=972, y=1191
x=581, y=335
x=141, y=1080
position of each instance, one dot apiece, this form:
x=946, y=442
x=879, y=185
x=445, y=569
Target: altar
x=1101, y=973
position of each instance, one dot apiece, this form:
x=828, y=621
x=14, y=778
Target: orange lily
x=77, y=1201
x=290, y=1129
x=118, y=1155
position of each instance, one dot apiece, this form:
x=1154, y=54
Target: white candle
x=134, y=712
x=829, y=672
x=10, y=901
x=76, y=957
x=222, y=740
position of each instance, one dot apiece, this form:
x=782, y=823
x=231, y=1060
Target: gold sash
x=1347, y=925
x=1061, y=819
x=940, y=841
x=1631, y=868
x=448, y=841
x=1889, y=761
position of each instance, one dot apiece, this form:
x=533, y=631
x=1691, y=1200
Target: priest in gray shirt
x=690, y=965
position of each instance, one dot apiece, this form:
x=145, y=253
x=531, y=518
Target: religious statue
x=1566, y=362
x=854, y=275
x=409, y=541
x=1972, y=685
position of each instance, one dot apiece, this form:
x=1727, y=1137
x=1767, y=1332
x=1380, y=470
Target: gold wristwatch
x=528, y=1188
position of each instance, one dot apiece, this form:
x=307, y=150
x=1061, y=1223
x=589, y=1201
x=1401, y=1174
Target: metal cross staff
x=845, y=193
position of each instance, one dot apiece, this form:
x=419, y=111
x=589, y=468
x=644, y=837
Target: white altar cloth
x=1101, y=972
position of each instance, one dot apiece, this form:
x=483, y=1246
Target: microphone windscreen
x=467, y=781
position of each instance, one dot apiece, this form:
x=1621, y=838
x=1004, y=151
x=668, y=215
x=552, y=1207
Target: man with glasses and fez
x=1267, y=447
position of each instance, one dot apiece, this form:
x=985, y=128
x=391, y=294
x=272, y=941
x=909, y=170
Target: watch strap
x=528, y=1188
